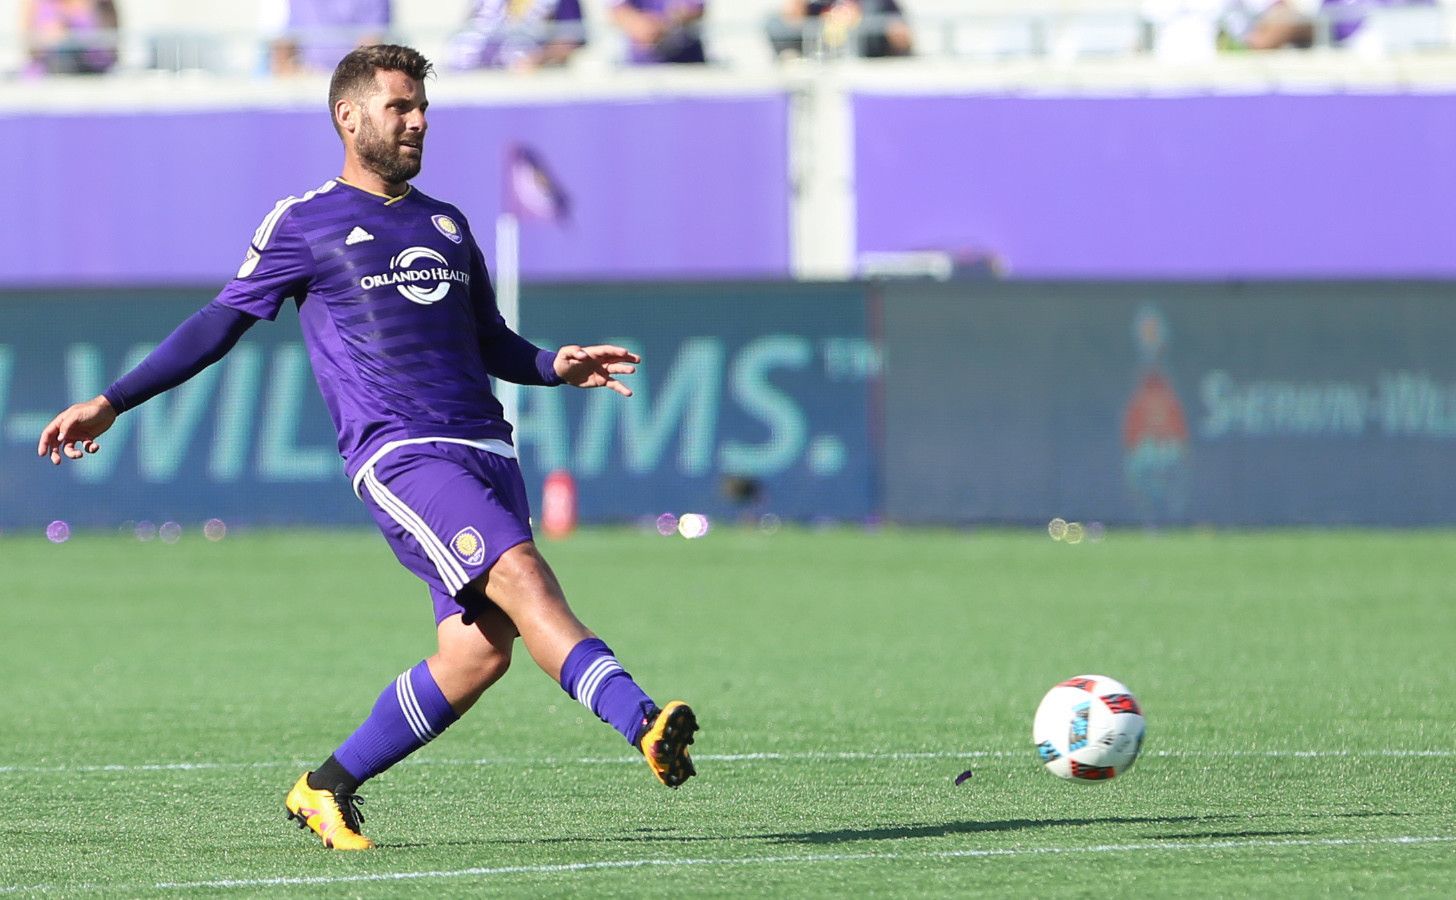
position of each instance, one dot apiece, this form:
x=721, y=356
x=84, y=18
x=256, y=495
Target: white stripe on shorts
x=409, y=704
x=492, y=445
x=451, y=573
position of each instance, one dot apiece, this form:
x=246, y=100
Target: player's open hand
x=76, y=429
x=596, y=366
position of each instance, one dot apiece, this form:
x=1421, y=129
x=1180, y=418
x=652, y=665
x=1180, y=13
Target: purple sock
x=594, y=678
x=408, y=715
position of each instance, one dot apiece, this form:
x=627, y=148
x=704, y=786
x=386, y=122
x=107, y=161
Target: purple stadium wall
x=664, y=188
x=1266, y=186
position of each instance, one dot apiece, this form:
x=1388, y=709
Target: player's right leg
x=472, y=657
x=415, y=708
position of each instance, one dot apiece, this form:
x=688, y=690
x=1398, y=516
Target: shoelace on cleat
x=349, y=809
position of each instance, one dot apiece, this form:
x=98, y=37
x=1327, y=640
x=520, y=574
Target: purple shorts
x=448, y=511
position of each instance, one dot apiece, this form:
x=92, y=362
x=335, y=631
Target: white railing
x=1033, y=32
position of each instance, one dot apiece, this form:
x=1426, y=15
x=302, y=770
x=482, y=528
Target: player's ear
x=346, y=115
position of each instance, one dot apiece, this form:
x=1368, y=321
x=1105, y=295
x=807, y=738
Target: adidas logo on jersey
x=357, y=236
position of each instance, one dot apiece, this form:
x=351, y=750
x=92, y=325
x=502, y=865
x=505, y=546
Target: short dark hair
x=354, y=75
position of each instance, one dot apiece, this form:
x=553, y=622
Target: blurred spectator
x=873, y=27
x=1189, y=31
x=660, y=31
x=69, y=37
x=1193, y=30
x=1294, y=23
x=518, y=34
x=317, y=33
x=1279, y=24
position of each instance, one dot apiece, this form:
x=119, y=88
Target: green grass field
x=1299, y=688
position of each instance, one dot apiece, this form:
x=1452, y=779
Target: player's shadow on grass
x=1229, y=835
x=901, y=832
x=904, y=832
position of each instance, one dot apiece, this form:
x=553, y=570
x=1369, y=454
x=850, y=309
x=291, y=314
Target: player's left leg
x=522, y=584
x=459, y=518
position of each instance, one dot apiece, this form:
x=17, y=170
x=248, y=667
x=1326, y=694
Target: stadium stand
x=232, y=39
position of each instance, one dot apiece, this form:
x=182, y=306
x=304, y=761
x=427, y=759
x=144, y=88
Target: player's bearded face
x=394, y=157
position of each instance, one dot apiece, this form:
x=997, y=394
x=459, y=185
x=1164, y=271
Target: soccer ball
x=1088, y=728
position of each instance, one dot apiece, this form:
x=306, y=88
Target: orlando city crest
x=469, y=546
x=446, y=226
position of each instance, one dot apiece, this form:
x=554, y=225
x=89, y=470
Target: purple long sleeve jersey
x=398, y=315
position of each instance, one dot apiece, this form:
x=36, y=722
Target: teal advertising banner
x=752, y=399
x=1140, y=403
x=1260, y=404
x=247, y=440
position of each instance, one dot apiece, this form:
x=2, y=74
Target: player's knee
x=491, y=664
x=478, y=653
x=473, y=667
x=523, y=576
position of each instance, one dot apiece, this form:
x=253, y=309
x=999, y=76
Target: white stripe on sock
x=404, y=708
x=607, y=671
x=596, y=674
x=585, y=684
x=412, y=714
x=414, y=699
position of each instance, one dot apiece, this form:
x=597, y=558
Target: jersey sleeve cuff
x=117, y=399
x=546, y=367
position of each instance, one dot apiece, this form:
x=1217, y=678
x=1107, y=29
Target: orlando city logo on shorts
x=469, y=546
x=446, y=226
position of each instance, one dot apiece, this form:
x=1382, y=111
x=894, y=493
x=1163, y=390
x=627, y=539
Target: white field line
x=811, y=756
x=667, y=862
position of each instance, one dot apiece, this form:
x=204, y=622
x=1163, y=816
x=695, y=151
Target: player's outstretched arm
x=196, y=344
x=596, y=366
x=76, y=429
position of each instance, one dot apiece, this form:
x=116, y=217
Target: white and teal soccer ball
x=1088, y=728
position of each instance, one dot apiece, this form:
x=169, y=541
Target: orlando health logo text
x=407, y=280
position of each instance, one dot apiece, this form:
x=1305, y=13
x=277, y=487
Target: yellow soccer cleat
x=335, y=820
x=665, y=743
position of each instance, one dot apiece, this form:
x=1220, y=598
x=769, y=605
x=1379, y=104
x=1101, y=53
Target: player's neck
x=364, y=179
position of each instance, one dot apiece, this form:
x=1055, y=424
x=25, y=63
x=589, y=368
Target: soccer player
x=402, y=328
